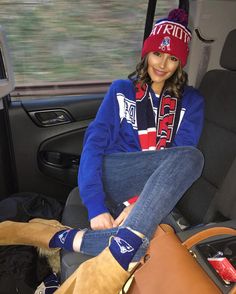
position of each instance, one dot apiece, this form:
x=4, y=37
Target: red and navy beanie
x=170, y=35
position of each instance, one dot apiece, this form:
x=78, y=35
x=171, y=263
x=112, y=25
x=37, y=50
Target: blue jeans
x=160, y=178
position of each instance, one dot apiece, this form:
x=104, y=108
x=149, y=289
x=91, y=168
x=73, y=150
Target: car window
x=59, y=41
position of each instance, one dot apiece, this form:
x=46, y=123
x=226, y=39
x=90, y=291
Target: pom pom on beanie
x=179, y=16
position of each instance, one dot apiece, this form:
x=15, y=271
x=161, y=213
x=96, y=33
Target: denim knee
x=196, y=158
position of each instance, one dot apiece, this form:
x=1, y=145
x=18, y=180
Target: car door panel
x=59, y=157
x=47, y=155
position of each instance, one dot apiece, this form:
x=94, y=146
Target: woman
x=153, y=110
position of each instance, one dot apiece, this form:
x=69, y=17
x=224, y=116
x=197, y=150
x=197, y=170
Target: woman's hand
x=122, y=217
x=102, y=221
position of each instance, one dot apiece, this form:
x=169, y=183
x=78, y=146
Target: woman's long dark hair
x=174, y=85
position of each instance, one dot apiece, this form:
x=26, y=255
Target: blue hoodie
x=115, y=130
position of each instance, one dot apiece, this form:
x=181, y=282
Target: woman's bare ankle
x=78, y=240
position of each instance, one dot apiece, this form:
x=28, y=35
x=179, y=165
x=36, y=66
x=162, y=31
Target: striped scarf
x=157, y=125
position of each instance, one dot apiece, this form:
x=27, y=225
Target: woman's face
x=161, y=66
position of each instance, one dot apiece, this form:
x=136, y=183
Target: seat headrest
x=228, y=54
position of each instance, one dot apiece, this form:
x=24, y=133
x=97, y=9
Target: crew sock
x=63, y=239
x=124, y=245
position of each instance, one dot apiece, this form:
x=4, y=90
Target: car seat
x=211, y=197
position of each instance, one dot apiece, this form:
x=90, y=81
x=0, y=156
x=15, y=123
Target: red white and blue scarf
x=156, y=130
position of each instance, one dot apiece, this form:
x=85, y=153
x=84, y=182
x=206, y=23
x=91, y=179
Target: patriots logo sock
x=124, y=246
x=63, y=239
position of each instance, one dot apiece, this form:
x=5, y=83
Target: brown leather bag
x=169, y=266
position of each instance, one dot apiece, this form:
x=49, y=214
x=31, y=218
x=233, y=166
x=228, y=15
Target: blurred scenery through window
x=75, y=40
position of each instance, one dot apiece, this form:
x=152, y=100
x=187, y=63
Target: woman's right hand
x=102, y=221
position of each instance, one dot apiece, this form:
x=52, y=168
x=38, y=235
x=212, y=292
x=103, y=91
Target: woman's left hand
x=123, y=216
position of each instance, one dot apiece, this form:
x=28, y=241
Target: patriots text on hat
x=173, y=29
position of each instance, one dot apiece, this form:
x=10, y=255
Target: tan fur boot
x=53, y=258
x=99, y=275
x=37, y=232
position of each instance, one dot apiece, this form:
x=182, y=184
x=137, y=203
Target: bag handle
x=211, y=232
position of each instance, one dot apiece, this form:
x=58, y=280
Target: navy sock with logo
x=63, y=239
x=124, y=245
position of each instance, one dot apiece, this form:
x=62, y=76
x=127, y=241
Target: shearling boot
x=37, y=232
x=99, y=275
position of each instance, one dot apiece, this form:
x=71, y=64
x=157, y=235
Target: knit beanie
x=170, y=35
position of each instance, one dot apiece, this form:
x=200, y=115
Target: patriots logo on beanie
x=165, y=44
x=171, y=36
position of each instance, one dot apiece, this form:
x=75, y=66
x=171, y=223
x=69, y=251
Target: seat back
x=218, y=142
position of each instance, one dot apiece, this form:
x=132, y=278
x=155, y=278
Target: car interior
x=41, y=139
